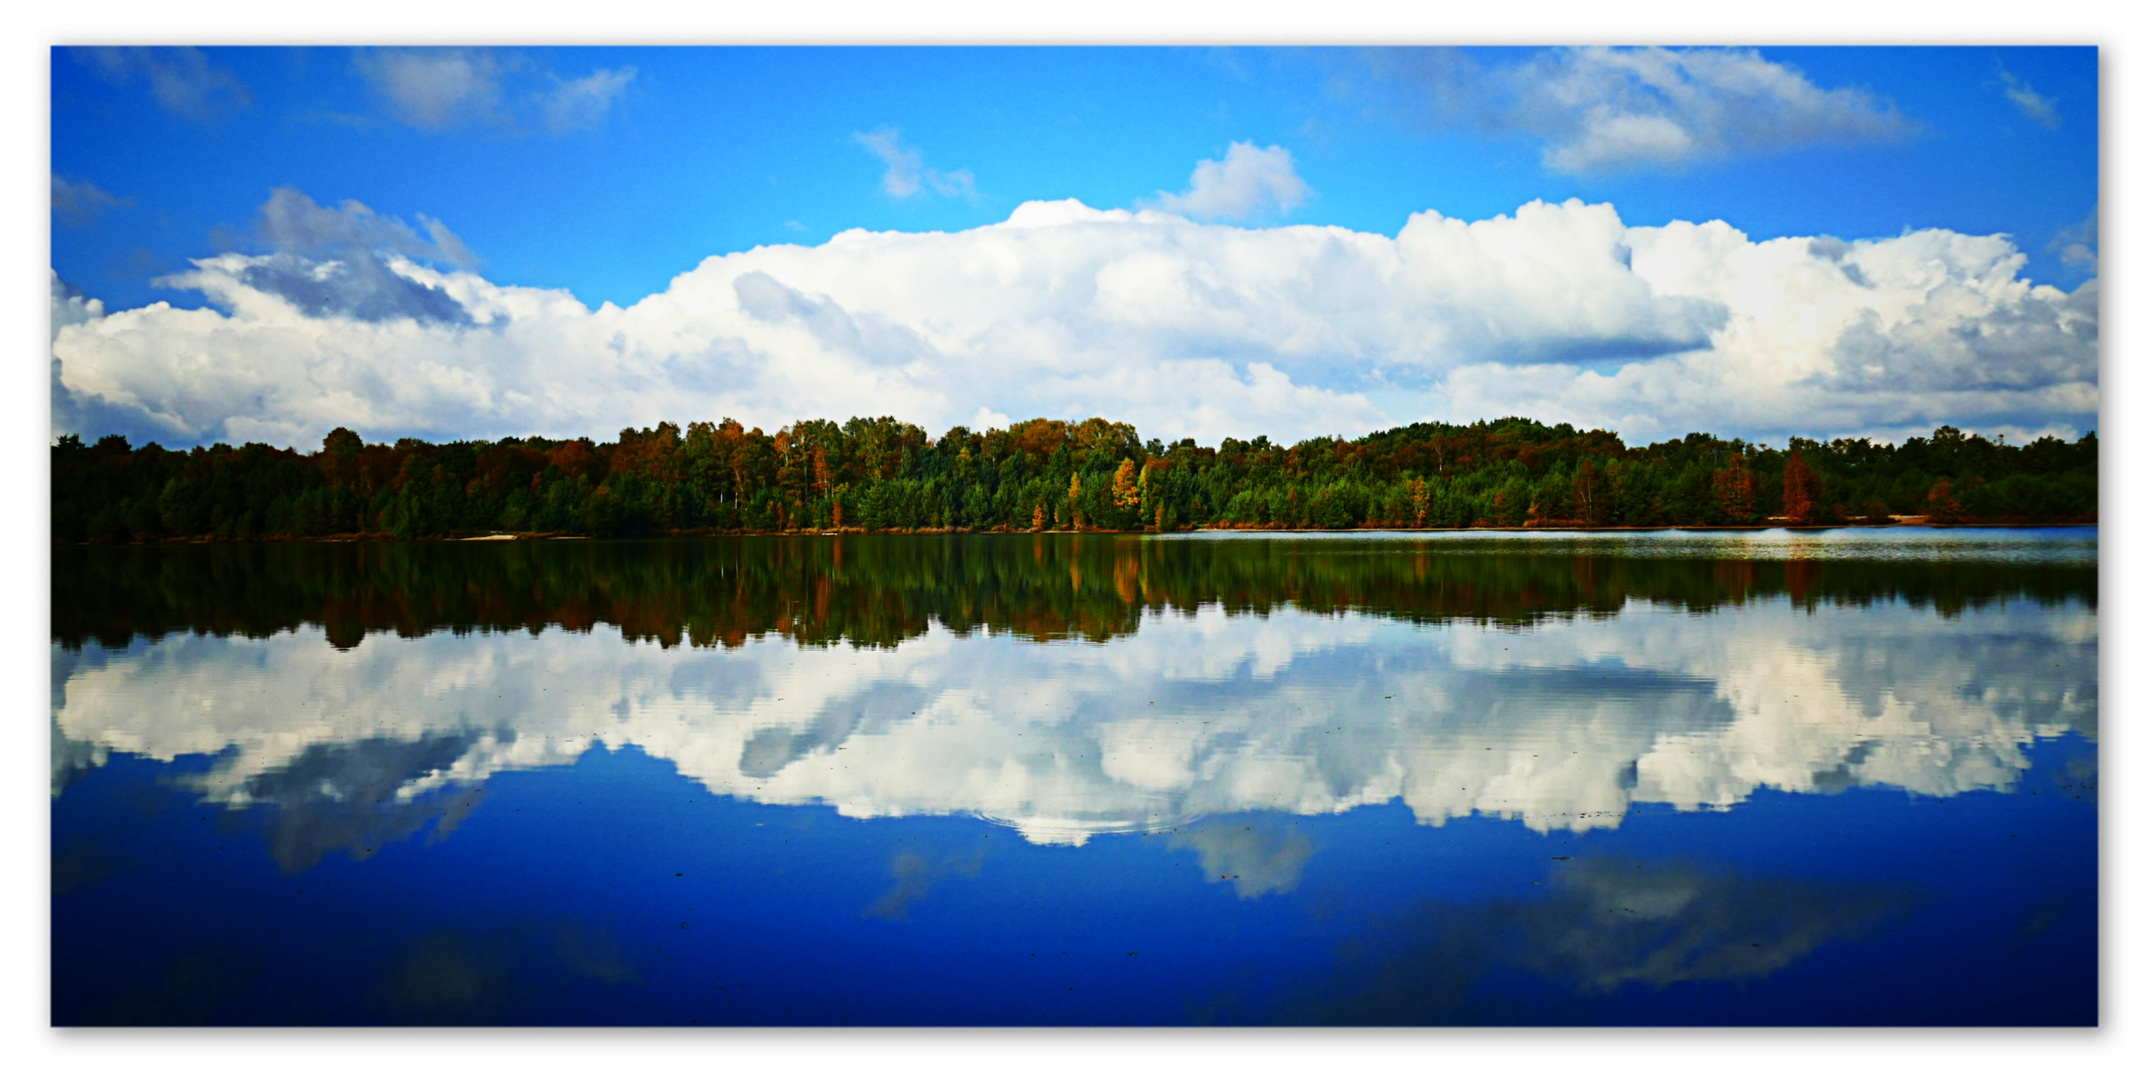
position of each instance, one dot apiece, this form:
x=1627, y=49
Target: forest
x=884, y=475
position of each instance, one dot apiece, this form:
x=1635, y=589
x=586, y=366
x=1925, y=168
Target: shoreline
x=706, y=534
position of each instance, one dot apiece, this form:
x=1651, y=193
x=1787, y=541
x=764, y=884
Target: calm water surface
x=1667, y=778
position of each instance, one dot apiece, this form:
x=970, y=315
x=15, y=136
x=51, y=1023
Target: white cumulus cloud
x=1246, y=183
x=1559, y=311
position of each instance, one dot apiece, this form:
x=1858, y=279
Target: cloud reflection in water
x=1195, y=715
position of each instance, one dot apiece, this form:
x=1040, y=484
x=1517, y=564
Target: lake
x=1685, y=778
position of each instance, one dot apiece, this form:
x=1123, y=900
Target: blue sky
x=608, y=172
x=709, y=151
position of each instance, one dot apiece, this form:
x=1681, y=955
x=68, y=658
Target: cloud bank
x=1559, y=311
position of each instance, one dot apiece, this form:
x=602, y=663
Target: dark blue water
x=1789, y=807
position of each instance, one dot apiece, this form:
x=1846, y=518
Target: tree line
x=883, y=475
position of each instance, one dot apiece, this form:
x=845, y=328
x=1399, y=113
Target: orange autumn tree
x=1801, y=489
x=1940, y=503
x=1735, y=496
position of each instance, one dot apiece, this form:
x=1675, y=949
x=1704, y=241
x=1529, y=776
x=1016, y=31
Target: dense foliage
x=1094, y=475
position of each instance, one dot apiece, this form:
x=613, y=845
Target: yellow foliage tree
x=1125, y=486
